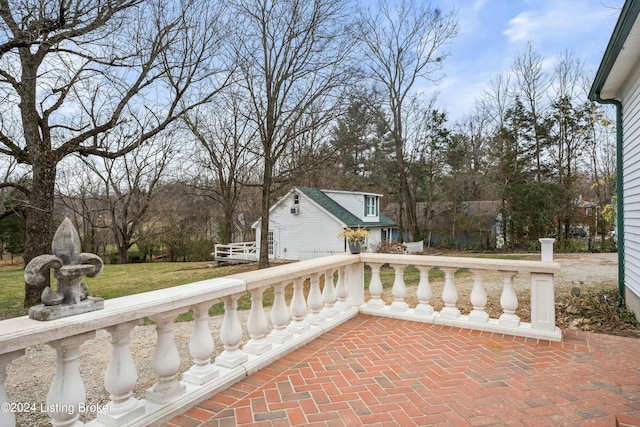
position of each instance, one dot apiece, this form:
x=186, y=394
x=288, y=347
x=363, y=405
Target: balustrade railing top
x=290, y=325
x=489, y=264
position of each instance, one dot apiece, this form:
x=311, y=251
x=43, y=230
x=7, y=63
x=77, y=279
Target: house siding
x=294, y=238
x=631, y=187
x=354, y=203
x=313, y=231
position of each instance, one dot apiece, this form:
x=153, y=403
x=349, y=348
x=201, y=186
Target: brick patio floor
x=384, y=372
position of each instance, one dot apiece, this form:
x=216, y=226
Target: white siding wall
x=309, y=234
x=310, y=230
x=631, y=181
x=354, y=203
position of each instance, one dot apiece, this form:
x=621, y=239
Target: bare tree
x=224, y=136
x=73, y=70
x=129, y=186
x=291, y=58
x=81, y=194
x=532, y=83
x=404, y=41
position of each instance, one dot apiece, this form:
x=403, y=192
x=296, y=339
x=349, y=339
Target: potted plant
x=355, y=238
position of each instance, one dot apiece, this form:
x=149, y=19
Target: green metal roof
x=623, y=27
x=341, y=213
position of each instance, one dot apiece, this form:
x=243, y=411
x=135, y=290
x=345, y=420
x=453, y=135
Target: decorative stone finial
x=69, y=265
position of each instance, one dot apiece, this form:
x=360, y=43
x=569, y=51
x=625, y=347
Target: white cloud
x=556, y=21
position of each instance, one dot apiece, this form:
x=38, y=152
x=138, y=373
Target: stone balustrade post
x=231, y=335
x=257, y=325
x=298, y=308
x=546, y=249
x=120, y=379
x=166, y=360
x=7, y=418
x=341, y=290
x=67, y=390
x=509, y=300
x=329, y=295
x=314, y=301
x=449, y=294
x=353, y=285
x=280, y=316
x=399, y=289
x=478, y=298
x=375, y=288
x=543, y=307
x=424, y=292
x=201, y=348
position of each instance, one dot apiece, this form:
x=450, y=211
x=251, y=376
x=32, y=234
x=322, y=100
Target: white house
x=305, y=222
x=617, y=82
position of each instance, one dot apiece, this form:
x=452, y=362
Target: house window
x=296, y=199
x=270, y=243
x=370, y=206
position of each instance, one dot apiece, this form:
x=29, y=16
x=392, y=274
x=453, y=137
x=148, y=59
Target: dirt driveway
x=587, y=269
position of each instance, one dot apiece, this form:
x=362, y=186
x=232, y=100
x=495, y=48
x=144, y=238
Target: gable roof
x=621, y=54
x=335, y=209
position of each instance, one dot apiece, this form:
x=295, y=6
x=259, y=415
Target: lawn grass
x=118, y=280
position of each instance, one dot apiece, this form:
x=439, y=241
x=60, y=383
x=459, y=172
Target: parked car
x=577, y=232
x=574, y=233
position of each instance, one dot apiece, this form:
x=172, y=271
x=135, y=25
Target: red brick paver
x=383, y=372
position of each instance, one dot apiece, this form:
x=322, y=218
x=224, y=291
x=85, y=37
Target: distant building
x=305, y=222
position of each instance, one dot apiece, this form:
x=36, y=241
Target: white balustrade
x=67, y=390
x=341, y=291
x=449, y=294
x=335, y=305
x=231, y=335
x=257, y=325
x=166, y=360
x=314, y=301
x=375, y=288
x=201, y=348
x=399, y=289
x=7, y=417
x=298, y=308
x=509, y=300
x=329, y=295
x=424, y=292
x=279, y=316
x=121, y=378
x=478, y=298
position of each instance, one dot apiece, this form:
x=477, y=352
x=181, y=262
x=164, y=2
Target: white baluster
x=231, y=335
x=67, y=389
x=375, y=288
x=257, y=325
x=201, y=348
x=341, y=291
x=449, y=295
x=121, y=378
x=478, y=298
x=166, y=360
x=329, y=295
x=424, y=292
x=399, y=289
x=279, y=316
x=7, y=418
x=509, y=300
x=298, y=308
x=314, y=301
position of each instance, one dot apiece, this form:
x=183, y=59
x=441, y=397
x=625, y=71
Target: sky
x=491, y=32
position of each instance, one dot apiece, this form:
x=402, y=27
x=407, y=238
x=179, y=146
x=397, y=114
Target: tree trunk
x=263, y=261
x=39, y=218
